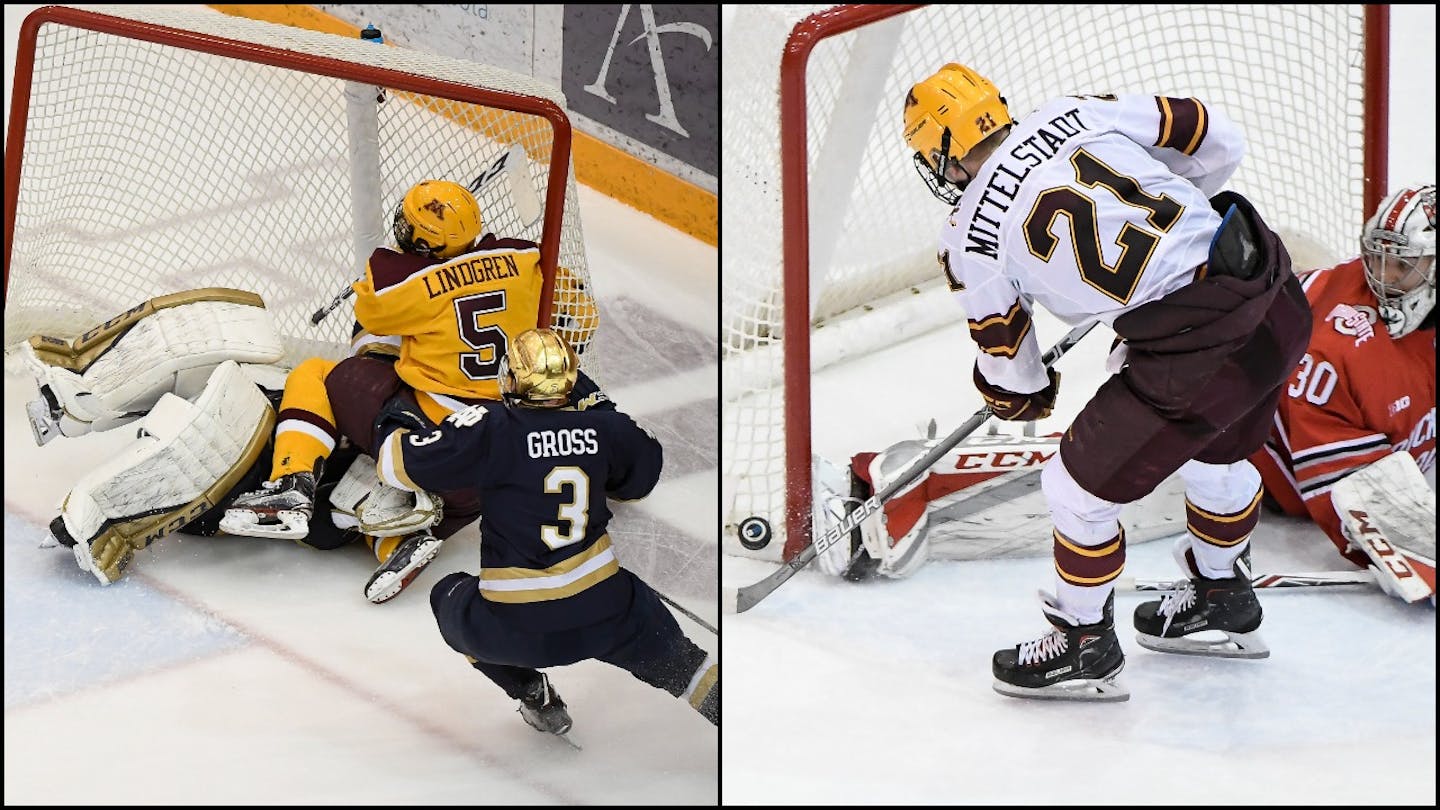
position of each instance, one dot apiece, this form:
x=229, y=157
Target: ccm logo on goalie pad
x=1383, y=551
x=1008, y=459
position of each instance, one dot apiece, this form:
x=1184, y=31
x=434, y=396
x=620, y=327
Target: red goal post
x=812, y=101
x=153, y=149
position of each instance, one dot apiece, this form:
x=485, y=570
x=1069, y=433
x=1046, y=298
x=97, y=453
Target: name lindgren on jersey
x=543, y=476
x=1092, y=206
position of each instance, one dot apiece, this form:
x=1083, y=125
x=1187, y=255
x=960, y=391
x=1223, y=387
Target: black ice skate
x=1227, y=607
x=279, y=508
x=543, y=709
x=1072, y=662
x=402, y=566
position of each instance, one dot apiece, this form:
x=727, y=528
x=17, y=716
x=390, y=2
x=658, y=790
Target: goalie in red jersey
x=1365, y=390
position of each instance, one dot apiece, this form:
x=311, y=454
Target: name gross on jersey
x=569, y=442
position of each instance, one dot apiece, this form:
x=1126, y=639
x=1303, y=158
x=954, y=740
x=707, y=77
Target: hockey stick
x=1310, y=580
x=672, y=603
x=750, y=595
x=516, y=167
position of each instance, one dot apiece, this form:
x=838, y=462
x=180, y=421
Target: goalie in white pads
x=195, y=369
x=1364, y=392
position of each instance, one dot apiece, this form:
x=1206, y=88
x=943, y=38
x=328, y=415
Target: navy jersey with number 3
x=544, y=476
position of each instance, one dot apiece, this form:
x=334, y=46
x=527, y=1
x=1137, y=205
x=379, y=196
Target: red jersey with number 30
x=1356, y=396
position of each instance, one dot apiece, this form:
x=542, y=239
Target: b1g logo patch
x=1355, y=321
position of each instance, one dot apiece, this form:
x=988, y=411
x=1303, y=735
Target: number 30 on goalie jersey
x=544, y=476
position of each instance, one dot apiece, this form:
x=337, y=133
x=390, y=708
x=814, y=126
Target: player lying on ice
x=433, y=316
x=1356, y=427
x=198, y=372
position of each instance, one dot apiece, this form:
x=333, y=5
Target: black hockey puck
x=755, y=533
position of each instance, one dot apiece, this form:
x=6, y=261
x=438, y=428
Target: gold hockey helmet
x=946, y=115
x=539, y=369
x=437, y=218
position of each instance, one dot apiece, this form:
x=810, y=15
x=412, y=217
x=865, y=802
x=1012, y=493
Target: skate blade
x=387, y=585
x=242, y=523
x=1088, y=690
x=1234, y=645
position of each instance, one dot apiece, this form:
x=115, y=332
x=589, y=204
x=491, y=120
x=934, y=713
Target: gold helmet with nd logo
x=539, y=369
x=437, y=218
x=946, y=115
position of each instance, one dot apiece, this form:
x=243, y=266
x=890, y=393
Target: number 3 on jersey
x=575, y=511
x=1137, y=244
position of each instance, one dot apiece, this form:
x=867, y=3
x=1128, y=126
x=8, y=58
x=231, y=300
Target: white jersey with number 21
x=1092, y=206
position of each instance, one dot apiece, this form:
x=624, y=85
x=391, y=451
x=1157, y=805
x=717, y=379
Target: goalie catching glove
x=1013, y=407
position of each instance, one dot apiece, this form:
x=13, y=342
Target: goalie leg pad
x=187, y=458
x=116, y=372
x=832, y=505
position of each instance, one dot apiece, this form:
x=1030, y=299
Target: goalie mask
x=1398, y=247
x=539, y=369
x=946, y=116
x=437, y=218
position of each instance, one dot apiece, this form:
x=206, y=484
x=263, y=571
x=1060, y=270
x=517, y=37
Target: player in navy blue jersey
x=550, y=591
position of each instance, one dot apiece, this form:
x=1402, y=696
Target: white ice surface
x=880, y=693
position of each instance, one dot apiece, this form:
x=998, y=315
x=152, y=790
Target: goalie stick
x=750, y=595
x=516, y=167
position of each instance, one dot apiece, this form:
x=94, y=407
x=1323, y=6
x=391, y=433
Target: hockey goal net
x=829, y=234
x=160, y=149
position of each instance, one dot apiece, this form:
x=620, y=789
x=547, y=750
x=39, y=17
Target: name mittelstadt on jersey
x=569, y=442
x=983, y=236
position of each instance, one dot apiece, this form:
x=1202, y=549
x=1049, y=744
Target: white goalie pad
x=113, y=374
x=188, y=456
x=362, y=501
x=1387, y=510
x=983, y=500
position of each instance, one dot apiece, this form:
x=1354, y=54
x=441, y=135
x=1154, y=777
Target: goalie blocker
x=206, y=429
x=1387, y=510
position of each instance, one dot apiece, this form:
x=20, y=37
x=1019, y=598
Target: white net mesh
x=151, y=168
x=1291, y=76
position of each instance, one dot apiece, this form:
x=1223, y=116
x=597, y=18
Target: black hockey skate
x=405, y=563
x=1199, y=604
x=1071, y=662
x=543, y=709
x=279, y=508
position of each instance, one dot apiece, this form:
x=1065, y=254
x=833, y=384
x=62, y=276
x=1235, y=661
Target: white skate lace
x=1181, y=598
x=1042, y=649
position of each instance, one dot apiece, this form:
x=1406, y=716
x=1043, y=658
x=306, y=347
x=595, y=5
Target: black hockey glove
x=398, y=414
x=1013, y=407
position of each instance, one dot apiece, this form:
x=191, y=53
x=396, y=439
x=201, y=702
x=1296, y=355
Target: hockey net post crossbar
x=1340, y=122
x=463, y=106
